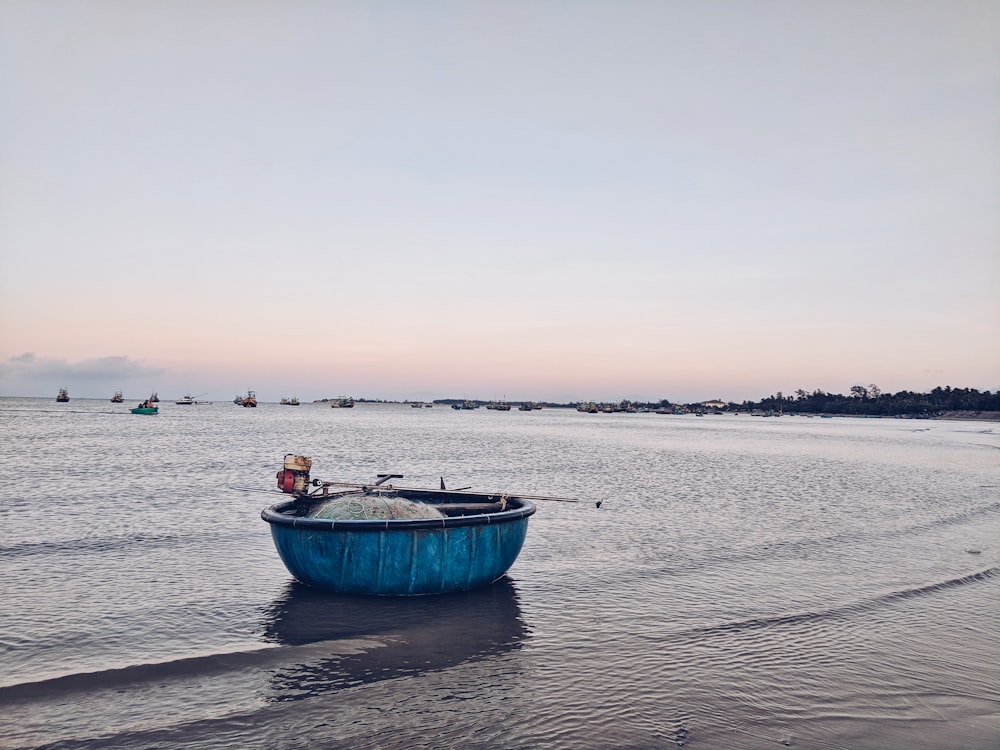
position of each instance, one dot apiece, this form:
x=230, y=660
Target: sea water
x=746, y=582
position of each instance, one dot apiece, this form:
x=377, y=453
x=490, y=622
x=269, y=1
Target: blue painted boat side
x=399, y=557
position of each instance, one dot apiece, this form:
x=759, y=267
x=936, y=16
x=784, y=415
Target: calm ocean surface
x=747, y=583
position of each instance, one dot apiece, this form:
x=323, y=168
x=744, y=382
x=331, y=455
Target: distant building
x=714, y=404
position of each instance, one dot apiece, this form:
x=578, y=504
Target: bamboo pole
x=455, y=492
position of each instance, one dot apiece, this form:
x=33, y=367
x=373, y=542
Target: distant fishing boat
x=187, y=400
x=342, y=403
x=117, y=398
x=249, y=401
x=389, y=541
x=293, y=401
x=63, y=396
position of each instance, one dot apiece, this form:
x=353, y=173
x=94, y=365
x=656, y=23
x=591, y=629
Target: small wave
x=982, y=575
x=87, y=412
x=217, y=663
x=952, y=520
x=847, y=609
x=99, y=544
x=793, y=549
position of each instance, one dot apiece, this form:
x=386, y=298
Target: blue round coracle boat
x=382, y=540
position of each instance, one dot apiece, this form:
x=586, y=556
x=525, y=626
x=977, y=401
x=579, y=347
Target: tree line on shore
x=862, y=400
x=872, y=401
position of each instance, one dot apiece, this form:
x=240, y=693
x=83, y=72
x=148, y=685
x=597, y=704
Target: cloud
x=115, y=366
x=28, y=374
x=112, y=366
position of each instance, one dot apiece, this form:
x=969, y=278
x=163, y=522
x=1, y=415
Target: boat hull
x=145, y=410
x=399, y=557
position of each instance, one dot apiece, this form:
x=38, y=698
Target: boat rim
x=277, y=515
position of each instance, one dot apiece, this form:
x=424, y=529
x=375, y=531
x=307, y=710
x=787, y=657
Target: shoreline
x=971, y=416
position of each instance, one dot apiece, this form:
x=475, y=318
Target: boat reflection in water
x=347, y=640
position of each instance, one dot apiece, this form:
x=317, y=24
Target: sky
x=541, y=200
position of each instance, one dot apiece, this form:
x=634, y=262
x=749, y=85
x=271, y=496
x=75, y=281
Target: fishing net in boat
x=375, y=507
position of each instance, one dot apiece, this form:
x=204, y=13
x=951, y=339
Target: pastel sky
x=548, y=199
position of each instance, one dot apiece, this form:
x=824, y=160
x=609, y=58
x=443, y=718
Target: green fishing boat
x=146, y=407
